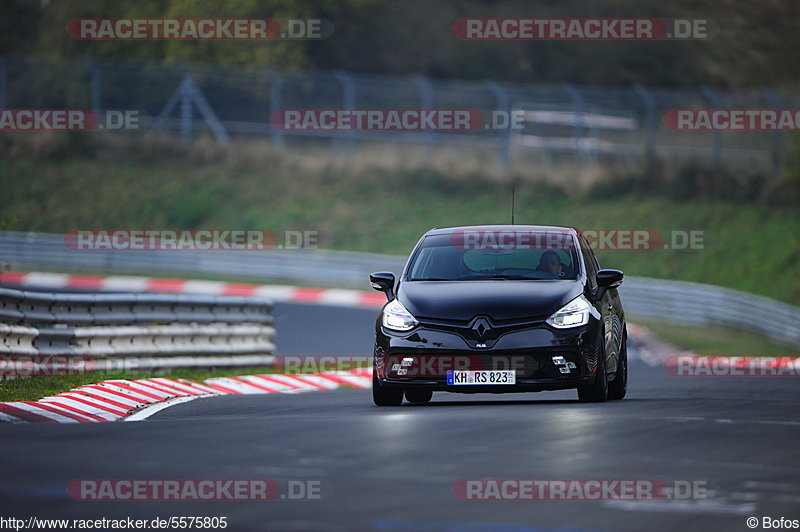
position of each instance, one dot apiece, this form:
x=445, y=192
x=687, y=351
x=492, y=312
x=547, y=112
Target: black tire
x=386, y=396
x=597, y=392
x=418, y=396
x=619, y=386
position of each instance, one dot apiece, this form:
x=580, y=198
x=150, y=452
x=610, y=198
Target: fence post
x=577, y=127
x=425, y=102
x=186, y=112
x=3, y=83
x=503, y=104
x=348, y=102
x=275, y=103
x=95, y=86
x=187, y=93
x=168, y=108
x=713, y=99
x=776, y=135
x=649, y=118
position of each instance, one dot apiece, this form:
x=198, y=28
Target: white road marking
x=148, y=411
x=709, y=506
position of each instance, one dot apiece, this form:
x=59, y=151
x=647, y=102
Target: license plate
x=455, y=378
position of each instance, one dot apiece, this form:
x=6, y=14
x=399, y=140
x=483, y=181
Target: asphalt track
x=395, y=468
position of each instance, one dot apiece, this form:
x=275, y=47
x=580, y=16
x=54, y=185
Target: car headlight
x=573, y=314
x=397, y=318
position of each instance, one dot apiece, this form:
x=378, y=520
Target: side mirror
x=383, y=282
x=609, y=278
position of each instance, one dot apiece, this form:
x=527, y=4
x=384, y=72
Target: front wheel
x=386, y=396
x=619, y=386
x=597, y=392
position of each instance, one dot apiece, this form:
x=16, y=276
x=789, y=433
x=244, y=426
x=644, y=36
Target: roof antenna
x=512, y=205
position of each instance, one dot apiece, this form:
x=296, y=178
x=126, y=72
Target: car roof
x=516, y=227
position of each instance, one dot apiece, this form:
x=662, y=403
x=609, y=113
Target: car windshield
x=495, y=255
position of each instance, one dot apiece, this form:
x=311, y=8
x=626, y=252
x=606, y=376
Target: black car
x=517, y=308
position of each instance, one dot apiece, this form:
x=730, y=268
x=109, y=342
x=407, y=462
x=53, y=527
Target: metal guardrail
x=701, y=304
x=670, y=301
x=146, y=330
x=27, y=307
x=38, y=251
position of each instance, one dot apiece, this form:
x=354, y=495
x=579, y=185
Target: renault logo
x=480, y=327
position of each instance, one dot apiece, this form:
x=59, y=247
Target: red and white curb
x=120, y=283
x=134, y=400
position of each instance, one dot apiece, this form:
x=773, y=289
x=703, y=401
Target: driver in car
x=549, y=262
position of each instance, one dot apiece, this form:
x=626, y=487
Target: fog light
x=563, y=369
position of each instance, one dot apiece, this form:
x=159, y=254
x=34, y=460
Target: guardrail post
x=425, y=102
x=577, y=127
x=275, y=103
x=713, y=99
x=503, y=104
x=348, y=102
x=649, y=119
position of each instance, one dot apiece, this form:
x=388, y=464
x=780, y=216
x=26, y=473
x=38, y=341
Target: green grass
x=716, y=340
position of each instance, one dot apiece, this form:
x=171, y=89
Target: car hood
x=500, y=300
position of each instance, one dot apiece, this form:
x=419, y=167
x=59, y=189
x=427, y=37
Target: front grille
x=480, y=328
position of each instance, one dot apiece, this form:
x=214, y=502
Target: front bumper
x=422, y=357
